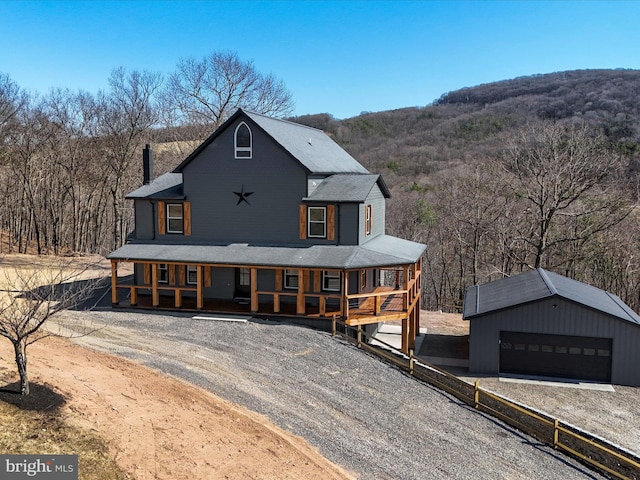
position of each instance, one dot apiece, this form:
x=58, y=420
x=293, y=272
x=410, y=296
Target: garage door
x=587, y=358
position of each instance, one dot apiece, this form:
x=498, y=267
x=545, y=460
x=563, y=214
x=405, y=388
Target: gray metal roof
x=168, y=185
x=310, y=146
x=313, y=148
x=382, y=251
x=346, y=188
x=536, y=285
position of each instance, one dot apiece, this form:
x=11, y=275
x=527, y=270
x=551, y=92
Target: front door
x=243, y=283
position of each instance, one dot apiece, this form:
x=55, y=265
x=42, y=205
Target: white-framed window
x=192, y=274
x=331, y=280
x=175, y=218
x=243, y=141
x=163, y=273
x=368, y=220
x=244, y=277
x=317, y=222
x=363, y=278
x=291, y=279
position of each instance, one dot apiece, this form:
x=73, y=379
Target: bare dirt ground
x=160, y=428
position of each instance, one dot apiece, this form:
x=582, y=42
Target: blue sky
x=340, y=57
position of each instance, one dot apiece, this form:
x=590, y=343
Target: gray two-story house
x=271, y=218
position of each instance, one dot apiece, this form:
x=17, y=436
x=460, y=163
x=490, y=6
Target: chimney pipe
x=147, y=165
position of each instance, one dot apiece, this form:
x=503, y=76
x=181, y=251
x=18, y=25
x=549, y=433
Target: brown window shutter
x=181, y=274
x=147, y=274
x=278, y=280
x=331, y=222
x=303, y=222
x=162, y=223
x=187, y=218
x=172, y=274
x=207, y=276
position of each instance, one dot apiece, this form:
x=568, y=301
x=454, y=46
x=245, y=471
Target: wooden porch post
x=317, y=287
x=407, y=340
x=405, y=335
x=417, y=315
x=276, y=303
x=412, y=328
x=344, y=300
x=254, y=289
x=405, y=286
x=199, y=287
x=300, y=307
x=155, y=296
x=114, y=282
x=277, y=287
x=133, y=299
x=417, y=294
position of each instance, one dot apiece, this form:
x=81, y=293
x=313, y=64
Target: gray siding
x=377, y=201
x=138, y=274
x=145, y=223
x=313, y=182
x=277, y=182
x=347, y=224
x=354, y=281
x=223, y=282
x=567, y=318
x=274, y=184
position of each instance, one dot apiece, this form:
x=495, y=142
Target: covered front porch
x=392, y=293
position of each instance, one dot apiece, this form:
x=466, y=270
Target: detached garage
x=541, y=323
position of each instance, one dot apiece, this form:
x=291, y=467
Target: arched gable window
x=243, y=141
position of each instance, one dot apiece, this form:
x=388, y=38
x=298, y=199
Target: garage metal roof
x=536, y=285
x=382, y=251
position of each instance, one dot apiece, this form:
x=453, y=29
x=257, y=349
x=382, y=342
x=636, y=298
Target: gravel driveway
x=359, y=412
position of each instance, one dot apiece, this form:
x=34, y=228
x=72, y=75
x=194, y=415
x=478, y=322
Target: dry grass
x=34, y=425
x=50, y=268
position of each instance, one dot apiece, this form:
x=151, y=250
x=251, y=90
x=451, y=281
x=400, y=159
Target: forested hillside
x=486, y=177
x=495, y=179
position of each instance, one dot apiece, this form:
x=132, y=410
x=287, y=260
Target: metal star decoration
x=242, y=196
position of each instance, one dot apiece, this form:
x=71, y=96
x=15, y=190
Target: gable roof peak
x=311, y=147
x=547, y=281
x=251, y=114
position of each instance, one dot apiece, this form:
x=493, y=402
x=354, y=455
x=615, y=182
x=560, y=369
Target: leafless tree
x=12, y=99
x=473, y=210
x=27, y=177
x=32, y=296
x=568, y=182
x=127, y=113
x=203, y=93
x=81, y=180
